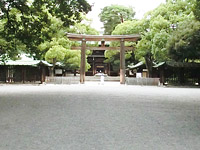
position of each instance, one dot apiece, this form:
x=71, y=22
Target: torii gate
x=103, y=38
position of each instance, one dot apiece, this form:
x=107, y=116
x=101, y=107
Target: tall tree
x=162, y=22
x=31, y=21
x=184, y=43
x=10, y=45
x=73, y=57
x=113, y=15
x=156, y=28
x=128, y=27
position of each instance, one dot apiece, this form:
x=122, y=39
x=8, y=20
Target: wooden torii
x=102, y=38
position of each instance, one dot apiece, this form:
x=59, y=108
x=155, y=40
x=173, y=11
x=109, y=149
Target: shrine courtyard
x=99, y=117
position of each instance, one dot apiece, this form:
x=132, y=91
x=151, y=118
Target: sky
x=140, y=7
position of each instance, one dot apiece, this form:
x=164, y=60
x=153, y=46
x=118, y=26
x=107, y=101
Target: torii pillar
x=82, y=68
x=122, y=62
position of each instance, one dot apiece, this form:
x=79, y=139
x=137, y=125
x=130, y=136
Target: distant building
x=170, y=72
x=24, y=70
x=96, y=61
x=98, y=64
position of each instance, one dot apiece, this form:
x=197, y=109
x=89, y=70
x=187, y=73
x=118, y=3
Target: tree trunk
x=162, y=76
x=149, y=66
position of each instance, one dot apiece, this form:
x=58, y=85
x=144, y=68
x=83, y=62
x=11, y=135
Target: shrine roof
x=25, y=61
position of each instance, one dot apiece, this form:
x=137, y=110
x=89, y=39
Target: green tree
x=31, y=20
x=184, y=44
x=55, y=53
x=151, y=47
x=10, y=45
x=162, y=22
x=73, y=57
x=156, y=28
x=56, y=49
x=68, y=11
x=197, y=10
x=128, y=27
x=113, y=15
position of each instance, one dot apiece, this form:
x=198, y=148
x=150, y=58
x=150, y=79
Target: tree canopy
x=184, y=43
x=158, y=29
x=113, y=15
x=31, y=23
x=197, y=10
x=38, y=27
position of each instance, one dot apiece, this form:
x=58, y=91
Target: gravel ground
x=99, y=117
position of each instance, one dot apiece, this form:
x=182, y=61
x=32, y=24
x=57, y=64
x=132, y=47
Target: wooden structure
x=171, y=72
x=24, y=70
x=178, y=73
x=103, y=38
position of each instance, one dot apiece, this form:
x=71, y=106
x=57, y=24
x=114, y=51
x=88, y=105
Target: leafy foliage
x=34, y=22
x=38, y=28
x=156, y=28
x=128, y=27
x=55, y=52
x=55, y=48
x=184, y=43
x=197, y=10
x=162, y=21
x=73, y=58
x=113, y=15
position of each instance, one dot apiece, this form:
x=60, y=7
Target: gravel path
x=99, y=117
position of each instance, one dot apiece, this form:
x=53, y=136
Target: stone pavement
x=99, y=117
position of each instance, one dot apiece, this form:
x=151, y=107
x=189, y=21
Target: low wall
x=98, y=78
x=76, y=80
x=143, y=81
x=62, y=80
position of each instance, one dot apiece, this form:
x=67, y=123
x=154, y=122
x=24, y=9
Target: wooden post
x=43, y=74
x=162, y=77
x=122, y=62
x=23, y=75
x=93, y=67
x=82, y=69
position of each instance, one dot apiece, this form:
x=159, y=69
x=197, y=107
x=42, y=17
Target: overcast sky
x=140, y=6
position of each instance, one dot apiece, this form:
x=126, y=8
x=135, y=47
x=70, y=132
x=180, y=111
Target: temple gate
x=103, y=38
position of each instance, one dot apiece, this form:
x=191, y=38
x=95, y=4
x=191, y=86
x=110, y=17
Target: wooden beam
x=79, y=37
x=103, y=48
x=82, y=68
x=122, y=62
x=100, y=56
